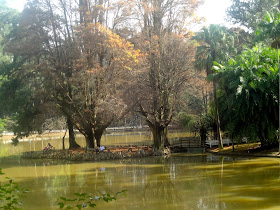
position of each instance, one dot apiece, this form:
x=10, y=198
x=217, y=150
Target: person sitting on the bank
x=49, y=147
x=99, y=149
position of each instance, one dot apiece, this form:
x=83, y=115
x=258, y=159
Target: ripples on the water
x=181, y=181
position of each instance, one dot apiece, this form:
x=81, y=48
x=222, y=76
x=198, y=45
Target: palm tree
x=270, y=28
x=215, y=43
x=247, y=99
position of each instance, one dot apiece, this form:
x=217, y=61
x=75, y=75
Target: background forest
x=91, y=64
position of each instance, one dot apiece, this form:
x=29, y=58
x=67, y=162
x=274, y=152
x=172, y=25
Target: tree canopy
x=248, y=95
x=90, y=63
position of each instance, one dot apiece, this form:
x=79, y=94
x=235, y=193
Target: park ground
x=252, y=149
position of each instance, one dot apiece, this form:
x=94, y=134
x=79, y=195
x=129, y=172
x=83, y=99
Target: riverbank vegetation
x=246, y=150
x=11, y=193
x=89, y=65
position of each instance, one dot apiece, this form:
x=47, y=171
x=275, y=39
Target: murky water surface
x=181, y=181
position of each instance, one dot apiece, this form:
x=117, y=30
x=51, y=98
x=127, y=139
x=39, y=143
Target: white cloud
x=214, y=11
x=16, y=4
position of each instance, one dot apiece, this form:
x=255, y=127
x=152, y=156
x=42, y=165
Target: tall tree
x=14, y=93
x=80, y=66
x=100, y=79
x=168, y=67
x=40, y=45
x=247, y=13
x=248, y=98
x=214, y=45
x=270, y=29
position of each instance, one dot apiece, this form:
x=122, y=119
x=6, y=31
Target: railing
x=216, y=142
x=187, y=142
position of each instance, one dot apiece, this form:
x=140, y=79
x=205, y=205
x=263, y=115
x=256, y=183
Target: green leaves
x=248, y=94
x=61, y=205
x=87, y=200
x=248, y=13
x=269, y=27
x=10, y=193
x=216, y=45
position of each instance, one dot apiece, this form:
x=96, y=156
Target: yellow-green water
x=176, y=182
x=181, y=181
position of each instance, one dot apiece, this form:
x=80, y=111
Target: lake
x=180, y=181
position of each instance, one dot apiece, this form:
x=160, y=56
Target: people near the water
x=100, y=149
x=49, y=147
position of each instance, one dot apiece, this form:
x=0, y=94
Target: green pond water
x=180, y=181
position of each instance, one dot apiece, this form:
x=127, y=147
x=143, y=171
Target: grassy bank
x=252, y=149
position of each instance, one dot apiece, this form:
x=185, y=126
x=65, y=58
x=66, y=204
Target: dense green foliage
x=269, y=29
x=247, y=89
x=216, y=44
x=248, y=95
x=248, y=13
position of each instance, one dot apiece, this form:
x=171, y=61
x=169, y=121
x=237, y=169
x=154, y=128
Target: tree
x=168, y=65
x=31, y=46
x=270, y=28
x=100, y=80
x=202, y=126
x=8, y=18
x=215, y=45
x=247, y=13
x=248, y=95
x=14, y=93
x=82, y=67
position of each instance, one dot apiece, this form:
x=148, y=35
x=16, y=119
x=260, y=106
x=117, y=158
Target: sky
x=16, y=4
x=213, y=10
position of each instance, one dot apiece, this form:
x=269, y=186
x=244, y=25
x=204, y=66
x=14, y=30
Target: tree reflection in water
x=176, y=182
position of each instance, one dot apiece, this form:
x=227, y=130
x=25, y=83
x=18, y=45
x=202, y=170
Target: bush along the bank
x=248, y=95
x=84, y=200
x=10, y=193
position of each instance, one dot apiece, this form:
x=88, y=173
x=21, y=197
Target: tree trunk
x=72, y=142
x=215, y=136
x=232, y=143
x=158, y=134
x=217, y=116
x=63, y=140
x=278, y=94
x=98, y=134
x=203, y=136
x=89, y=139
x=165, y=138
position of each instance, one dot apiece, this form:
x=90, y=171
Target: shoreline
x=122, y=152
x=110, y=153
x=247, y=150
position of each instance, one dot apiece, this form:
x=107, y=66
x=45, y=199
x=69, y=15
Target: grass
x=251, y=149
